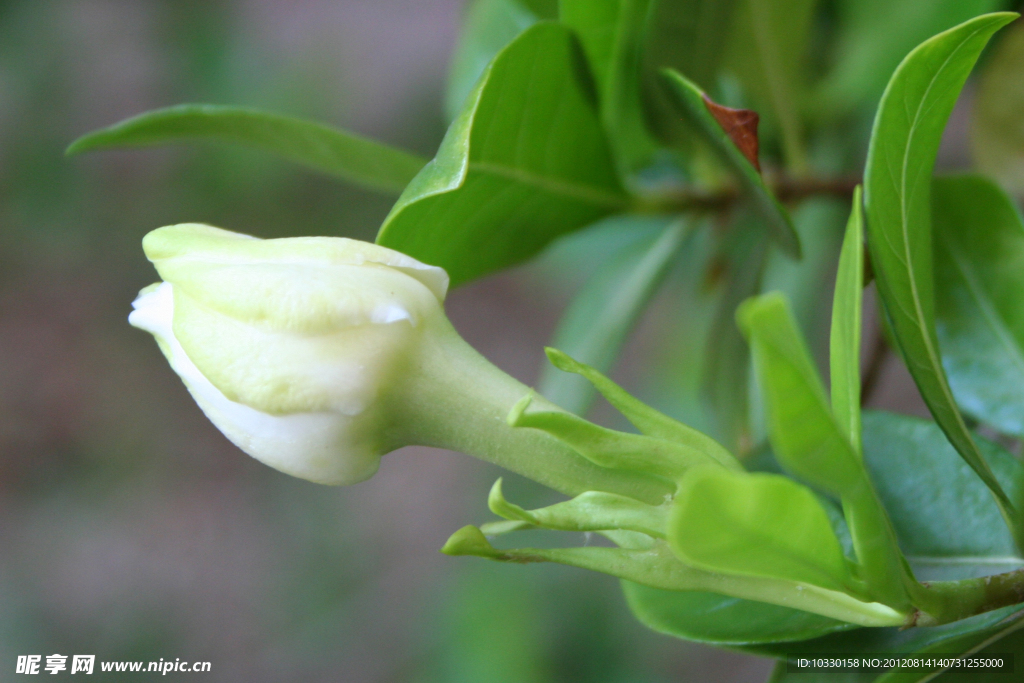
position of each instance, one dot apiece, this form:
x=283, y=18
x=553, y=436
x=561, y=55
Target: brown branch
x=787, y=189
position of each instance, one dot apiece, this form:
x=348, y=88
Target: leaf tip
x=562, y=360
x=469, y=540
x=79, y=145
x=515, y=415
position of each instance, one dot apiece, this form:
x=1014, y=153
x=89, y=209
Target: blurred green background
x=129, y=527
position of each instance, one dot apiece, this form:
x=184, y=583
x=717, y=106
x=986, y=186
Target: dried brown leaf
x=741, y=127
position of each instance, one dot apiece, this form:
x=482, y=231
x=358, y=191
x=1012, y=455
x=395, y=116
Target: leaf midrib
x=583, y=193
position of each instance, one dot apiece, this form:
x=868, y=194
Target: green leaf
x=979, y=257
x=997, y=130
x=874, y=35
x=690, y=102
x=612, y=33
x=325, y=149
x=897, y=194
x=804, y=434
x=648, y=420
x=846, y=328
x=756, y=525
x=946, y=522
x=722, y=620
x=768, y=49
x=487, y=27
x=525, y=162
x=604, y=312
x=810, y=443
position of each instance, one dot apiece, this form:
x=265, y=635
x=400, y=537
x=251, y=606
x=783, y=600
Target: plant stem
x=786, y=188
x=940, y=602
x=455, y=398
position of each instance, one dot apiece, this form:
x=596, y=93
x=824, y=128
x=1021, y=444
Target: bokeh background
x=129, y=527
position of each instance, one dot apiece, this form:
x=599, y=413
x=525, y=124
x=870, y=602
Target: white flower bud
x=290, y=346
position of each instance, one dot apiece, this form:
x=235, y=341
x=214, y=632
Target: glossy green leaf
x=846, y=328
x=526, y=161
x=947, y=524
x=897, y=194
x=810, y=443
x=325, y=149
x=756, y=525
x=612, y=33
x=648, y=420
x=603, y=313
x=769, y=51
x=689, y=100
x=997, y=128
x=487, y=27
x=874, y=35
x=721, y=620
x=979, y=279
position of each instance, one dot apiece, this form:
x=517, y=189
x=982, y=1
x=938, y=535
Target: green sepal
x=649, y=421
x=657, y=567
x=607, y=447
x=505, y=526
x=590, y=511
x=605, y=310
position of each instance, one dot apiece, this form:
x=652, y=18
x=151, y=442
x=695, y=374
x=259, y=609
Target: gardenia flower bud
x=291, y=346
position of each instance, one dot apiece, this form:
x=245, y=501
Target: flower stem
x=455, y=398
